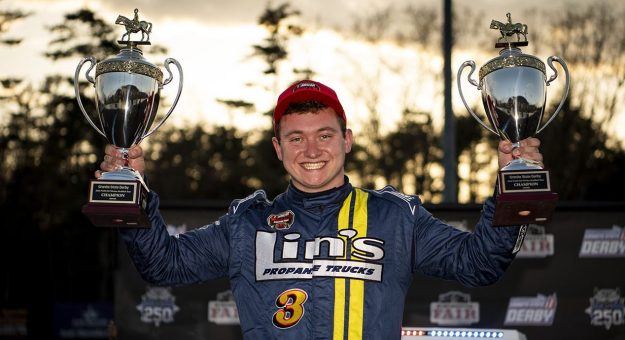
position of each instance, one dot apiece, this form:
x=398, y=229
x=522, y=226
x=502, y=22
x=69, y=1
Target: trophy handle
x=77, y=89
x=562, y=63
x=474, y=83
x=167, y=81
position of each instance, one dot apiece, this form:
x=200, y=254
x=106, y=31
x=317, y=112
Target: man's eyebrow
x=327, y=128
x=321, y=129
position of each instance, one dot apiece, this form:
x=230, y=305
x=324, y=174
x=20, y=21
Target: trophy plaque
x=514, y=92
x=127, y=94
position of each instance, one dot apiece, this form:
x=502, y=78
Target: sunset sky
x=212, y=40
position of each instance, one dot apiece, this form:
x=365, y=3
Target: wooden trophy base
x=525, y=197
x=115, y=203
x=524, y=208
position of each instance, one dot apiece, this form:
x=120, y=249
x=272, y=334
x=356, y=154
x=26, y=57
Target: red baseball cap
x=305, y=90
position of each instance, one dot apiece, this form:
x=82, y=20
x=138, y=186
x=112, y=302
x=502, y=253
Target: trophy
x=127, y=94
x=514, y=94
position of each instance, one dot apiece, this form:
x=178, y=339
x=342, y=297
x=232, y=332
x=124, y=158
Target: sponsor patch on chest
x=287, y=256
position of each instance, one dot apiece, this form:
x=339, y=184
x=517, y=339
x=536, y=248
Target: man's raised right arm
x=195, y=256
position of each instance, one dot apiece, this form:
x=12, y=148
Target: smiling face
x=312, y=149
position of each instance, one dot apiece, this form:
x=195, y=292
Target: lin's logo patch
x=281, y=221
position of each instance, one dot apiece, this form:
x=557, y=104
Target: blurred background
x=385, y=59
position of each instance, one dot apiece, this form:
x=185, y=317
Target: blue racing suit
x=331, y=265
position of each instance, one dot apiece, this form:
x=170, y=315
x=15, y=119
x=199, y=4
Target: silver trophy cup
x=127, y=96
x=514, y=93
x=127, y=92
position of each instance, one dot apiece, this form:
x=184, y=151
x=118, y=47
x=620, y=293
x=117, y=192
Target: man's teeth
x=313, y=166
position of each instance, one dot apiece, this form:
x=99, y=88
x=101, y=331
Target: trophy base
x=524, y=208
x=524, y=197
x=117, y=203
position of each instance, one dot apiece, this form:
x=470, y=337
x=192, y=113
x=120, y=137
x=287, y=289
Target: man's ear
x=348, y=140
x=276, y=146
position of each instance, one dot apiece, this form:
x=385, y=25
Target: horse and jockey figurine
x=507, y=30
x=135, y=26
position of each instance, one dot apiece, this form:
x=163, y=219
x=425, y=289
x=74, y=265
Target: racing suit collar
x=309, y=200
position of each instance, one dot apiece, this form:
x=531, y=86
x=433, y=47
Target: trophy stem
x=520, y=163
x=515, y=146
x=124, y=152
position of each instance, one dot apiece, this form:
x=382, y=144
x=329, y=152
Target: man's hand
x=114, y=159
x=527, y=150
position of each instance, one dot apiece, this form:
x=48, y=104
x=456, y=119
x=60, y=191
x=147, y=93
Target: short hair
x=309, y=106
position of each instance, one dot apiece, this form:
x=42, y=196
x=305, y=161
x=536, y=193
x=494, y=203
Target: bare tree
x=7, y=19
x=400, y=155
x=587, y=38
x=14, y=97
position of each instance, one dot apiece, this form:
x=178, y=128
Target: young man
x=323, y=260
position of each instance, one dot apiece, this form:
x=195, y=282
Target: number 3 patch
x=290, y=305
